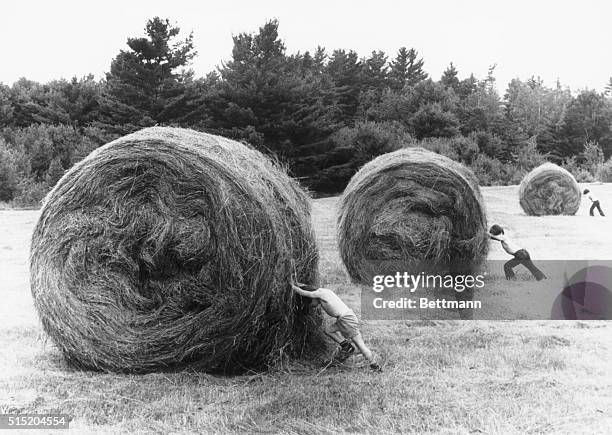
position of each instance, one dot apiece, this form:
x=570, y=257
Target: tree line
x=322, y=113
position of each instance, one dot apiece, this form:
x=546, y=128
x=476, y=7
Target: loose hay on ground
x=170, y=248
x=407, y=207
x=549, y=190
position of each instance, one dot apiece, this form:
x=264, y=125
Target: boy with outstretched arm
x=594, y=203
x=521, y=256
x=346, y=323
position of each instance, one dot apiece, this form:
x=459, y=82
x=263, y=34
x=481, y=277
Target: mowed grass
x=439, y=376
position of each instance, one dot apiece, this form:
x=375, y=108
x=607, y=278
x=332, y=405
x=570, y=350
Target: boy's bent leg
x=365, y=351
x=508, y=266
x=599, y=209
x=345, y=347
x=537, y=273
x=333, y=334
x=525, y=260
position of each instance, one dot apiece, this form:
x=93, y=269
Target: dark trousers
x=594, y=206
x=522, y=257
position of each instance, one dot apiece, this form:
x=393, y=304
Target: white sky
x=569, y=40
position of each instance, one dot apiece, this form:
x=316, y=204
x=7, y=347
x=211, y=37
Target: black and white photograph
x=321, y=217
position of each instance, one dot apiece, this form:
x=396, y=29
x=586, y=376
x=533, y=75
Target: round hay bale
x=549, y=190
x=410, y=208
x=170, y=248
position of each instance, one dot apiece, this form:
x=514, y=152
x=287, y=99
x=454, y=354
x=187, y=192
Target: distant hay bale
x=549, y=190
x=411, y=207
x=170, y=248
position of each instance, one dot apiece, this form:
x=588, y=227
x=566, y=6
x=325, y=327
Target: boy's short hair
x=496, y=230
x=586, y=191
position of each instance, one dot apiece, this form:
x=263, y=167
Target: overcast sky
x=569, y=40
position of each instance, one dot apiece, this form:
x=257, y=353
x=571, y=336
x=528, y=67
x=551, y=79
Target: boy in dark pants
x=521, y=256
x=594, y=203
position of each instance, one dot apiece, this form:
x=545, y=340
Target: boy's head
x=586, y=191
x=496, y=230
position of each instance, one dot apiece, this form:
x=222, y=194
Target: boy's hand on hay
x=297, y=287
x=302, y=292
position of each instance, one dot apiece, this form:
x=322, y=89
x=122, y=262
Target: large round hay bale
x=411, y=207
x=170, y=248
x=549, y=190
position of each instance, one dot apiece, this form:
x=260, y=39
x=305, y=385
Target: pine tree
x=144, y=78
x=406, y=69
x=449, y=77
x=375, y=70
x=319, y=60
x=344, y=69
x=270, y=99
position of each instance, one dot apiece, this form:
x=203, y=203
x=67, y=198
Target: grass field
x=439, y=376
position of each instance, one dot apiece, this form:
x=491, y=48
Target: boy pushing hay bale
x=345, y=330
x=519, y=254
x=170, y=248
x=595, y=205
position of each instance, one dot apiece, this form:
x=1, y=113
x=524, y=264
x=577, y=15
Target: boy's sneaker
x=347, y=346
x=346, y=349
x=376, y=367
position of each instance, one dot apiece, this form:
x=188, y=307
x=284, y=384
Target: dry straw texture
x=411, y=208
x=549, y=190
x=170, y=248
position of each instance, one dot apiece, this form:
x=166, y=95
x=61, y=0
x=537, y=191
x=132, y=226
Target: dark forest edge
x=322, y=114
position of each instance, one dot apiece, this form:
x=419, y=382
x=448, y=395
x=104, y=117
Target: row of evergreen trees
x=323, y=113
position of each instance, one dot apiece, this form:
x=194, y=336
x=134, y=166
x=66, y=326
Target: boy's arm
x=312, y=295
x=493, y=237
